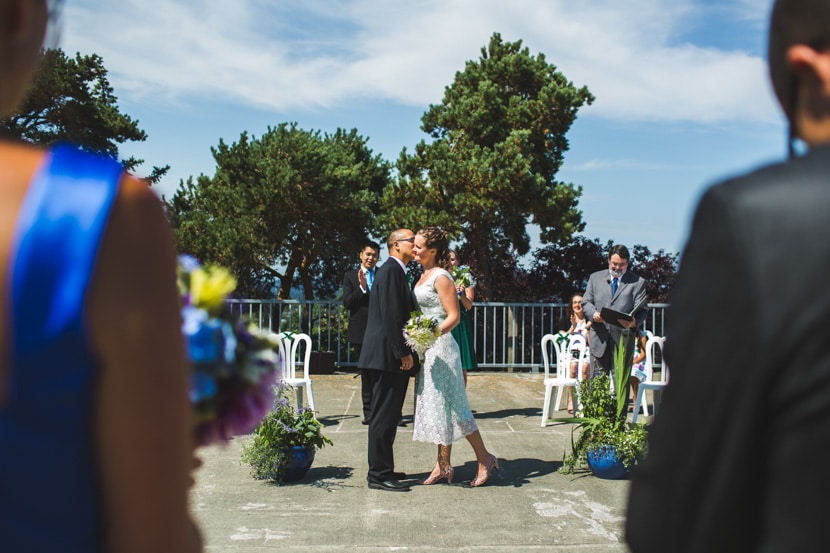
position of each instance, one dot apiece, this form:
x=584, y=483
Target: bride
x=442, y=413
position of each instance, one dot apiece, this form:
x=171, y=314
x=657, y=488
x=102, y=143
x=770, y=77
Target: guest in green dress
x=463, y=332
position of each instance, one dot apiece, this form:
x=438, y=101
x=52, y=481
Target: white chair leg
x=546, y=408
x=558, y=405
x=310, y=396
x=645, y=405
x=640, y=391
x=298, y=394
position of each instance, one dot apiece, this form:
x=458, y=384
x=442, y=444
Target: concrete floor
x=530, y=508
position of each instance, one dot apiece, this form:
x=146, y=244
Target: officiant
x=623, y=291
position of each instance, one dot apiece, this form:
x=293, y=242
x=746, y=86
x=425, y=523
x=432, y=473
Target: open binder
x=613, y=317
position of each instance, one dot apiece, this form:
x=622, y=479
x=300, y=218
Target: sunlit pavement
x=530, y=508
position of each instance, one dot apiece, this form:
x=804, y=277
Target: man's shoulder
x=774, y=182
x=389, y=264
x=631, y=276
x=602, y=273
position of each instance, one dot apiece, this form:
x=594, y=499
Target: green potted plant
x=282, y=447
x=608, y=444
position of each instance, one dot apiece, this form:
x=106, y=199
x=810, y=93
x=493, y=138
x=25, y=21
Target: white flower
x=421, y=332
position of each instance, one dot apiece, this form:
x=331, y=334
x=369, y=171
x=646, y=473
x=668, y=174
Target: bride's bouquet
x=233, y=366
x=421, y=332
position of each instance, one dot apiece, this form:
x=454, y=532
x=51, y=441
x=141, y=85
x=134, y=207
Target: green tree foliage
x=558, y=272
x=498, y=140
x=71, y=100
x=292, y=205
x=659, y=269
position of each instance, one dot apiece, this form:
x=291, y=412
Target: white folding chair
x=560, y=377
x=295, y=348
x=655, y=343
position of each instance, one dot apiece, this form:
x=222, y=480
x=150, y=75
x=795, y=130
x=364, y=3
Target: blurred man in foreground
x=738, y=452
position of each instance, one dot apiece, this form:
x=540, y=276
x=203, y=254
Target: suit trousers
x=365, y=387
x=366, y=393
x=388, y=395
x=605, y=363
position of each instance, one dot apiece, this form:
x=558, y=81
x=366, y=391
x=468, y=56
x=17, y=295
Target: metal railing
x=507, y=335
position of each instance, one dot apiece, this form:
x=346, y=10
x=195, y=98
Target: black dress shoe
x=401, y=422
x=364, y=421
x=388, y=485
x=398, y=475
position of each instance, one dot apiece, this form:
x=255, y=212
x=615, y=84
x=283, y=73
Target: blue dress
x=49, y=489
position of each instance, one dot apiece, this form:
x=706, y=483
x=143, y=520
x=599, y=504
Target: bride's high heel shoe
x=491, y=467
x=444, y=472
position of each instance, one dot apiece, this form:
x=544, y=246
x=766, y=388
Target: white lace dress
x=442, y=412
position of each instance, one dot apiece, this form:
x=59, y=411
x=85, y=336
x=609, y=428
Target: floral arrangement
x=604, y=423
x=462, y=277
x=233, y=366
x=421, y=332
x=268, y=452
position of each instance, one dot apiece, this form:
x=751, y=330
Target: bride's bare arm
x=449, y=300
x=142, y=418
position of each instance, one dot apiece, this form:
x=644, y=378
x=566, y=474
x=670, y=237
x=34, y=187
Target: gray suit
x=631, y=291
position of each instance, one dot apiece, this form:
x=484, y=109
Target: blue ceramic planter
x=605, y=463
x=299, y=462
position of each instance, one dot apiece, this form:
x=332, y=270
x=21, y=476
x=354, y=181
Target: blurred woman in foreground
x=95, y=428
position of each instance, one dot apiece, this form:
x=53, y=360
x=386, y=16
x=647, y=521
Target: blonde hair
x=437, y=238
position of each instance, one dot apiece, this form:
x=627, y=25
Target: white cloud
x=321, y=54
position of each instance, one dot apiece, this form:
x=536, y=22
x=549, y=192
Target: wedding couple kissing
x=442, y=412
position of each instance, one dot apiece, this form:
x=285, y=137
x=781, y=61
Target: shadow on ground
x=531, y=412
x=514, y=472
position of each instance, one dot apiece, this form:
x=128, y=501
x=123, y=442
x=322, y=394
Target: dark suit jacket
x=357, y=302
x=630, y=292
x=738, y=456
x=390, y=306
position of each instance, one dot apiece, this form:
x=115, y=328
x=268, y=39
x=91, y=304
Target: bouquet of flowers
x=233, y=366
x=462, y=277
x=421, y=332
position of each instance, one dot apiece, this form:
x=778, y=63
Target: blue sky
x=682, y=95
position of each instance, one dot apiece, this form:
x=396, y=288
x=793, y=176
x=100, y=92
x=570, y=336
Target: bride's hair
x=437, y=238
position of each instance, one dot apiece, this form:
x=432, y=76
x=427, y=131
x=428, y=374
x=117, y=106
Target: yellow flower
x=209, y=286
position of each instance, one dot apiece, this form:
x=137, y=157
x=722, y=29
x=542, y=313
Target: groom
x=386, y=360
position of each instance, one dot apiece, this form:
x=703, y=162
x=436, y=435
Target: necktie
x=370, y=275
x=614, y=284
